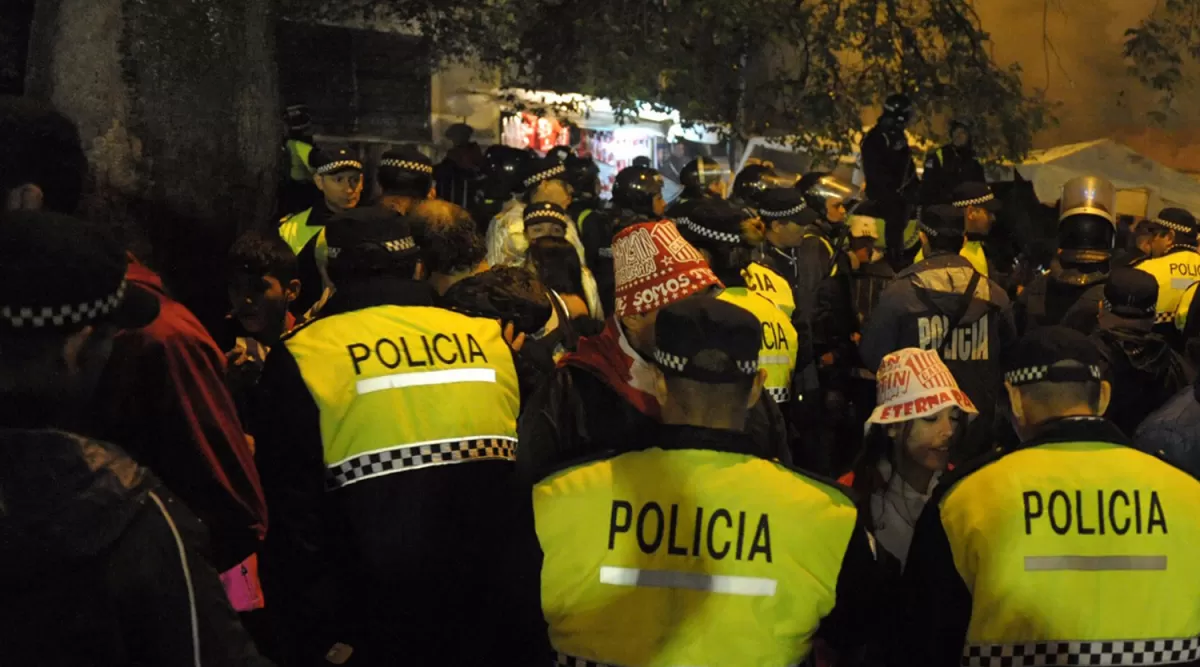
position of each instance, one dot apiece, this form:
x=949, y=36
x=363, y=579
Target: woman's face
x=928, y=443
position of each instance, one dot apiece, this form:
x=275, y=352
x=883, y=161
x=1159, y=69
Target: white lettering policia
x=437, y=350
x=1096, y=512
x=966, y=343
x=717, y=535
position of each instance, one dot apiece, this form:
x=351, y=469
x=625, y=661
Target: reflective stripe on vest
x=779, y=340
x=763, y=280
x=1175, y=272
x=407, y=387
x=833, y=269
x=1058, y=542
x=296, y=232
x=565, y=660
x=1185, y=304
x=636, y=546
x=972, y=251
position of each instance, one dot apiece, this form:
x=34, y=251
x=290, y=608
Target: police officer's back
x=1072, y=548
x=386, y=447
x=944, y=304
x=1174, y=263
x=694, y=551
x=1070, y=292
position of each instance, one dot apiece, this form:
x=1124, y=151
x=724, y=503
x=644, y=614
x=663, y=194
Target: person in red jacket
x=163, y=397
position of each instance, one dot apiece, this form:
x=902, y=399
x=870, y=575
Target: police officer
x=1174, y=262
x=979, y=206
x=504, y=166
x=950, y=166
x=891, y=175
x=751, y=183
x=296, y=190
x=1076, y=544
x=944, y=304
x=695, y=549
x=406, y=178
x=727, y=237
x=1070, y=292
x=583, y=176
x=702, y=178
x=338, y=174
x=776, y=270
x=386, y=447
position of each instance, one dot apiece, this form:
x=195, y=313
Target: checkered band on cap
x=782, y=214
x=748, y=367
x=927, y=229
x=1173, y=226
x=1031, y=374
x=400, y=245
x=1161, y=317
x=701, y=230
x=41, y=317
x=413, y=457
x=1115, y=652
x=974, y=202
x=340, y=164
x=543, y=175
x=544, y=215
x=675, y=363
x=407, y=165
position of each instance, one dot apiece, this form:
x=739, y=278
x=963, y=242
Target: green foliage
x=805, y=70
x=1159, y=49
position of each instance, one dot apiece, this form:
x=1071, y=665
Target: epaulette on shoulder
x=298, y=328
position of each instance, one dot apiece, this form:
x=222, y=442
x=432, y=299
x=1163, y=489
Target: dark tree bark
x=177, y=105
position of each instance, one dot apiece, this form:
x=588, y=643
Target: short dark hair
x=946, y=242
x=41, y=146
x=404, y=183
x=506, y=293
x=263, y=254
x=449, y=239
x=557, y=264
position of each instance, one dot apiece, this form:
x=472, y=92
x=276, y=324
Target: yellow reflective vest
x=299, y=168
x=763, y=280
x=406, y=387
x=688, y=557
x=779, y=340
x=296, y=231
x=1073, y=548
x=1175, y=272
x=1185, y=304
x=972, y=251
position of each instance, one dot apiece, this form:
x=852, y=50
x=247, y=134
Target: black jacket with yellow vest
x=1070, y=549
x=697, y=552
x=385, y=442
x=1174, y=272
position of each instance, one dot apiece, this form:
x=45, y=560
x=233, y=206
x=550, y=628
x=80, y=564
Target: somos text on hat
x=913, y=383
x=654, y=266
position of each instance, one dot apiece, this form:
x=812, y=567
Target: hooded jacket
x=1170, y=433
x=103, y=566
x=1144, y=371
x=917, y=310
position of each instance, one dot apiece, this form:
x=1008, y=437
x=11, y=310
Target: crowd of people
x=471, y=414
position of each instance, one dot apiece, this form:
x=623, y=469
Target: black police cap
x=547, y=168
x=711, y=221
x=942, y=220
x=369, y=233
x=785, y=204
x=536, y=214
x=707, y=340
x=1176, y=220
x=333, y=160
x=61, y=274
x=1131, y=293
x=1034, y=358
x=406, y=159
x=974, y=193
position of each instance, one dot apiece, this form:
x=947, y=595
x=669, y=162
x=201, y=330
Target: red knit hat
x=655, y=266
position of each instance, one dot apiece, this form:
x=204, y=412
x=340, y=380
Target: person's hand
x=827, y=359
x=514, y=340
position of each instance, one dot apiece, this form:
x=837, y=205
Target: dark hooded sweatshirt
x=102, y=565
x=1144, y=371
x=921, y=309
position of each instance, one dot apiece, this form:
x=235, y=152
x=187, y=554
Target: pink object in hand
x=242, y=585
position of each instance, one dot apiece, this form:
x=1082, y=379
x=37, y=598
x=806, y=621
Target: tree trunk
x=177, y=106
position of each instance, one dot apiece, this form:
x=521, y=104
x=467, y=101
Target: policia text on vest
x=678, y=532
x=1083, y=513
